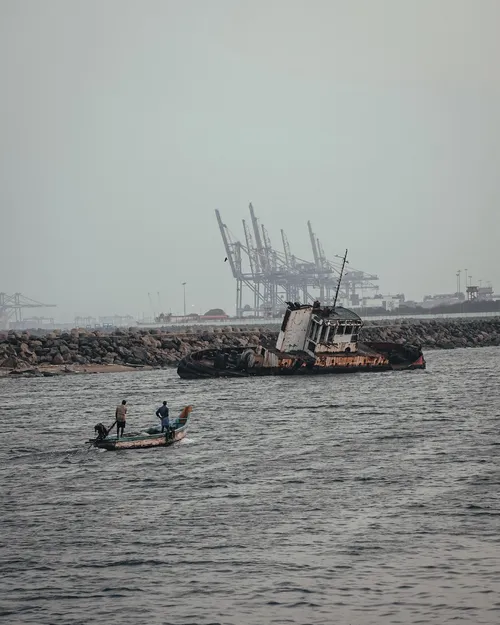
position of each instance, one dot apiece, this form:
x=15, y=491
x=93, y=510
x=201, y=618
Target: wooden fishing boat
x=152, y=437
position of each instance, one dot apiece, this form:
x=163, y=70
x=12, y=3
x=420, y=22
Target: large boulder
x=57, y=359
x=170, y=344
x=139, y=354
x=11, y=362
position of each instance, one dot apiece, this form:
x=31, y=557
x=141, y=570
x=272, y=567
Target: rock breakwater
x=21, y=351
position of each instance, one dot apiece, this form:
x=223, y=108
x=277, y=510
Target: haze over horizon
x=124, y=124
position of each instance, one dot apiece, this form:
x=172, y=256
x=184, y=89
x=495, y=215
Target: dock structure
x=12, y=306
x=272, y=276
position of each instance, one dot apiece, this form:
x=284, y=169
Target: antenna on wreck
x=340, y=280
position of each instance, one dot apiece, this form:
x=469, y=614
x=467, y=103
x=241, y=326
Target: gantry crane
x=275, y=277
x=11, y=306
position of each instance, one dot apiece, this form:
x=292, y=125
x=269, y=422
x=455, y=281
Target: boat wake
x=68, y=455
x=188, y=441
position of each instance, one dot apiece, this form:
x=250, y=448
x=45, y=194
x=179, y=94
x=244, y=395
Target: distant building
x=214, y=314
x=442, y=299
x=379, y=301
x=117, y=321
x=485, y=293
x=33, y=323
x=163, y=318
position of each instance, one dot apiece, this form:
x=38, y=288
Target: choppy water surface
x=356, y=499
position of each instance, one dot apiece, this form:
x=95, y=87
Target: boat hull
x=372, y=357
x=143, y=441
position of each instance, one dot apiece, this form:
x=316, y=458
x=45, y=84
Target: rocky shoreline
x=84, y=351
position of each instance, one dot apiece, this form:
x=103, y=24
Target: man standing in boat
x=162, y=414
x=121, y=411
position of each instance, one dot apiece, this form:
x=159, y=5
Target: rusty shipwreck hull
x=240, y=362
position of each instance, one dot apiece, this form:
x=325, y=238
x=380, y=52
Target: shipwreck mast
x=340, y=280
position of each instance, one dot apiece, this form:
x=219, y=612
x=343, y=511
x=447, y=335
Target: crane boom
x=268, y=249
x=228, y=247
x=258, y=240
x=321, y=253
x=286, y=249
x=254, y=260
x=314, y=246
x=12, y=305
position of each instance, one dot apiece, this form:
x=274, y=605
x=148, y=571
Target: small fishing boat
x=152, y=437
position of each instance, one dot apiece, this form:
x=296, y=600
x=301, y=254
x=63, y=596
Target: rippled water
x=357, y=499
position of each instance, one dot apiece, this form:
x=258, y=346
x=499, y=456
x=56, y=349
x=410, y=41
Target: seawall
x=20, y=351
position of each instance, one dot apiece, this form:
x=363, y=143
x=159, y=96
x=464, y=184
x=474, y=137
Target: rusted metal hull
x=143, y=441
x=370, y=358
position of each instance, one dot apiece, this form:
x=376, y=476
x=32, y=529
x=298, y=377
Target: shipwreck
x=313, y=339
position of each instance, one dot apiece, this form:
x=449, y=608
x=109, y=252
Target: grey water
x=361, y=499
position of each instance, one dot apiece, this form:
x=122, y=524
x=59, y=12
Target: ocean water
x=363, y=499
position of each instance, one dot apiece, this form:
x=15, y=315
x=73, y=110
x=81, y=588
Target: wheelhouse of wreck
x=317, y=329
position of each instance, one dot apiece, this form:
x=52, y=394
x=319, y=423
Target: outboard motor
x=101, y=432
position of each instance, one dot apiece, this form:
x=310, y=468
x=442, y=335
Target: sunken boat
x=313, y=339
x=152, y=437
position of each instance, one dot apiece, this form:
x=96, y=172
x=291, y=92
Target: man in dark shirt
x=162, y=414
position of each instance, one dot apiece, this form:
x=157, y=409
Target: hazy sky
x=124, y=124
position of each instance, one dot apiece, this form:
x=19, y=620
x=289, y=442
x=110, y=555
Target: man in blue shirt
x=162, y=414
